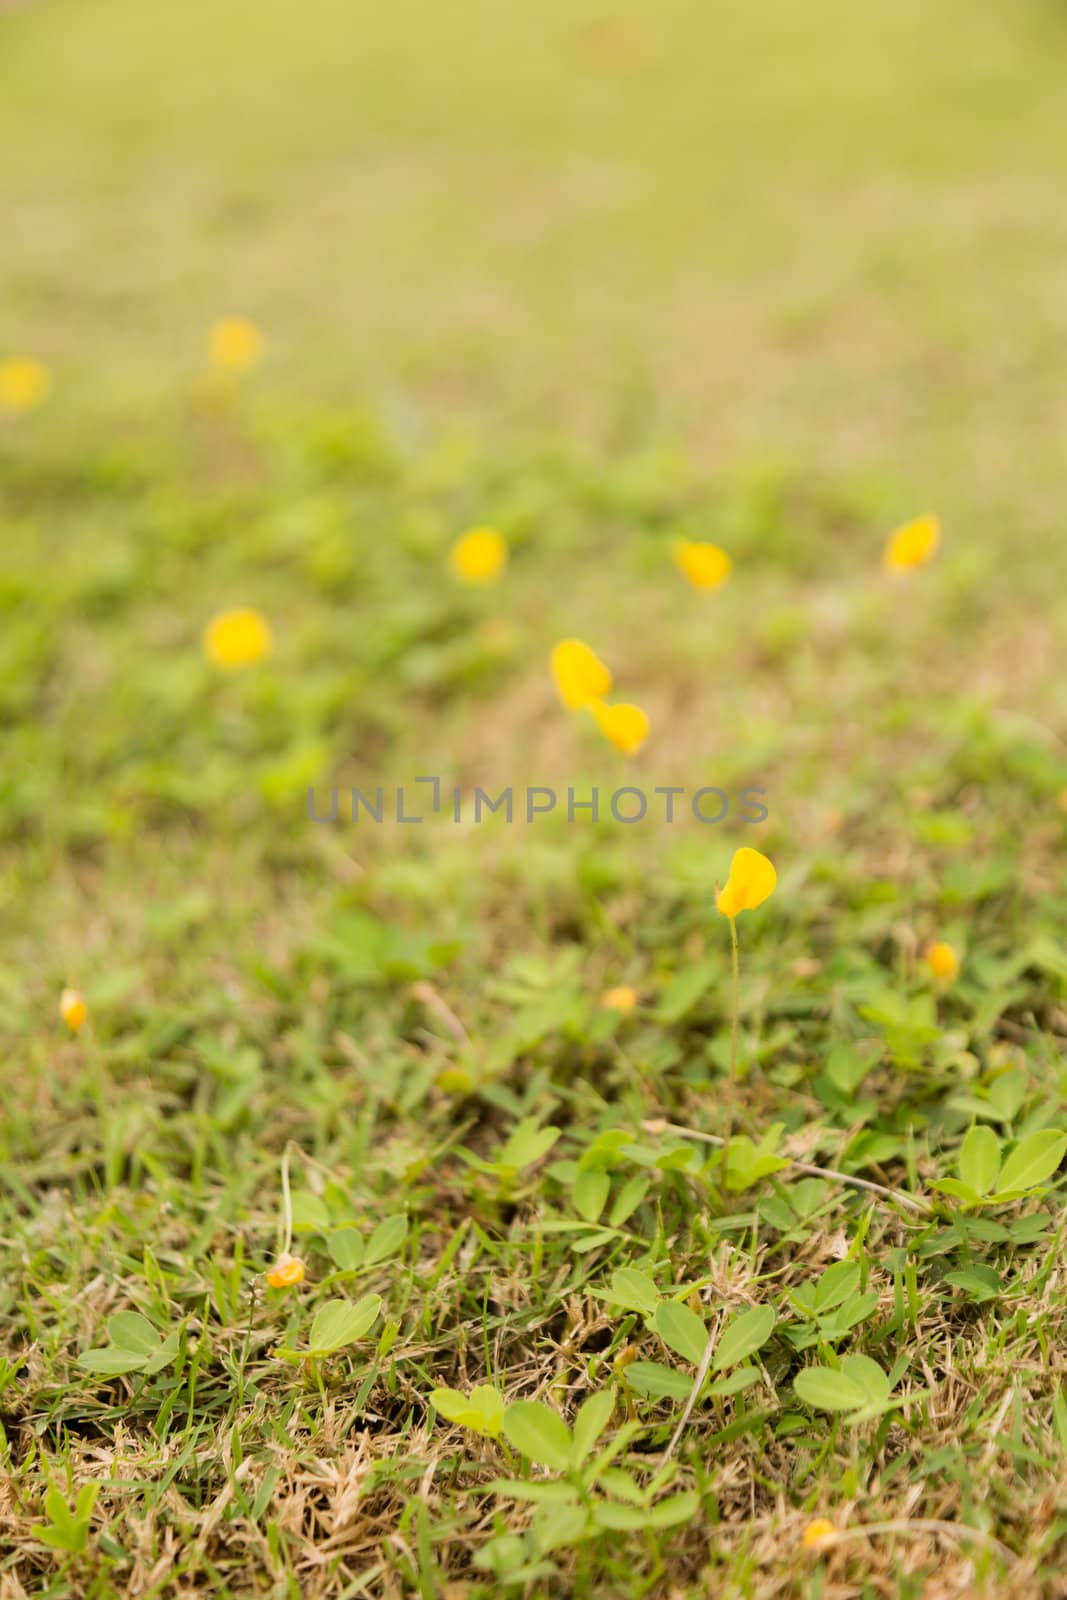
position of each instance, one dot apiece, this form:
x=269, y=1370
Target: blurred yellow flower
x=580, y=675
x=705, y=565
x=913, y=545
x=479, y=556
x=752, y=878
x=626, y=726
x=943, y=961
x=238, y=638
x=236, y=344
x=622, y=998
x=24, y=384
x=819, y=1535
x=286, y=1272
x=73, y=1010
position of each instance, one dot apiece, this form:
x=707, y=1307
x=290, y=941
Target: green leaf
x=164, y=1354
x=386, y=1240
x=538, y=1491
x=979, y=1159
x=675, y=1509
x=456, y=1407
x=681, y=1330
x=627, y=1200
x=111, y=1362
x=527, y=1144
x=979, y=1283
x=346, y=1248
x=593, y=1417
x=868, y=1376
x=130, y=1331
x=835, y=1285
x=734, y=1382
x=339, y=1322
x=539, y=1433
x=590, y=1194
x=488, y=1403
x=828, y=1390
x=622, y=1519
x=743, y=1334
x=1031, y=1163
x=634, y=1290
x=656, y=1381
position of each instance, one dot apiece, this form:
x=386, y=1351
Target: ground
x=603, y=277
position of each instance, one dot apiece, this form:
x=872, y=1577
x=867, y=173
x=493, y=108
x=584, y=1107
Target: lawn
x=613, y=281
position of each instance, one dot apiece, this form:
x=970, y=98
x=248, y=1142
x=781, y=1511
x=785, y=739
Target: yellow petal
x=752, y=878
x=705, y=565
x=626, y=726
x=24, y=384
x=235, y=344
x=913, y=545
x=622, y=998
x=479, y=556
x=580, y=675
x=943, y=962
x=238, y=638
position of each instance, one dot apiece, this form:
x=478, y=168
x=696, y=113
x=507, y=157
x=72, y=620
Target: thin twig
x=657, y=1125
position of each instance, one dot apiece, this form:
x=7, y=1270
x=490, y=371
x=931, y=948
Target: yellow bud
x=237, y=639
x=752, y=879
x=73, y=1010
x=626, y=726
x=235, y=344
x=819, y=1535
x=705, y=565
x=24, y=384
x=622, y=998
x=943, y=962
x=479, y=556
x=286, y=1272
x=580, y=676
x=913, y=545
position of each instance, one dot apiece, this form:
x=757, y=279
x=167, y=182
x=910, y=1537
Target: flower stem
x=731, y=1088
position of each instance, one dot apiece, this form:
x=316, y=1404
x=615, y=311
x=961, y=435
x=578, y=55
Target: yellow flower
x=943, y=961
x=622, y=998
x=479, y=556
x=236, y=344
x=705, y=565
x=238, y=638
x=626, y=726
x=819, y=1535
x=24, y=384
x=913, y=545
x=752, y=878
x=580, y=675
x=286, y=1272
x=73, y=1010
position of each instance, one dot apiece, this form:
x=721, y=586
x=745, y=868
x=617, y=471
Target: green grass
x=778, y=276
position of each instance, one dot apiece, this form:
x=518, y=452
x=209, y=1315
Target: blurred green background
x=818, y=229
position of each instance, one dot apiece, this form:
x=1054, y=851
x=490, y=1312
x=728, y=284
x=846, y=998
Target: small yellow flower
x=913, y=545
x=943, y=961
x=24, y=384
x=752, y=878
x=819, y=1535
x=581, y=677
x=479, y=556
x=236, y=344
x=626, y=726
x=73, y=1010
x=622, y=998
x=705, y=565
x=238, y=638
x=286, y=1272
x=626, y=1358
